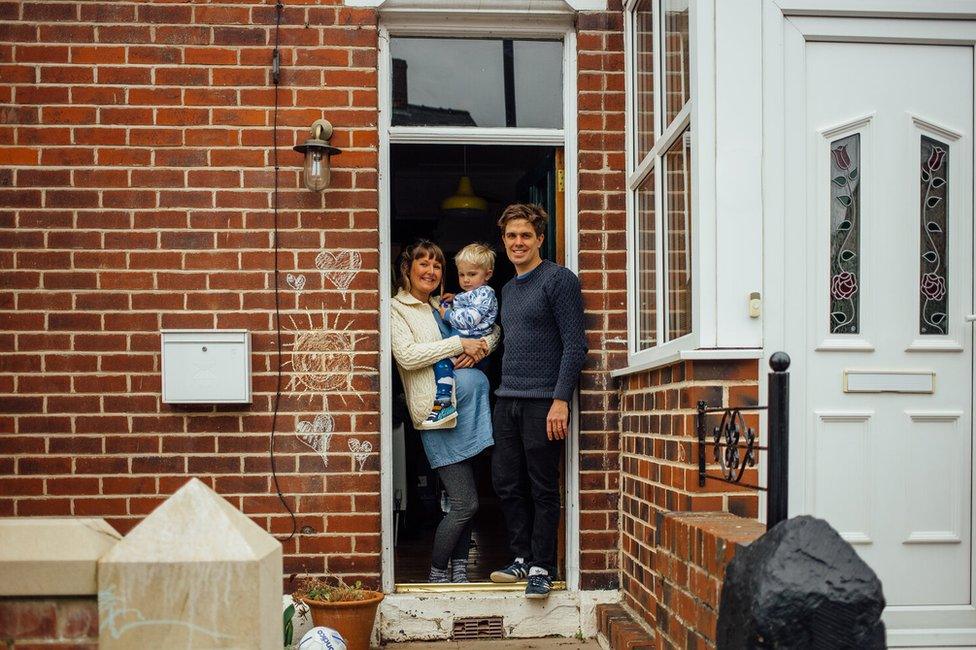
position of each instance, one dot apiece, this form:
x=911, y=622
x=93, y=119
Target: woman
x=418, y=342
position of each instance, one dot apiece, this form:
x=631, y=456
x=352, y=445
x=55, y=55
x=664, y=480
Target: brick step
x=619, y=631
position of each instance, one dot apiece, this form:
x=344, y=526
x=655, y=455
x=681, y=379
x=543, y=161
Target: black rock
x=800, y=586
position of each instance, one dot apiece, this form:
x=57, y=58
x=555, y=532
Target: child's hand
x=447, y=298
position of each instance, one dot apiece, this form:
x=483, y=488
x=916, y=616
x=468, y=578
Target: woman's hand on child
x=474, y=351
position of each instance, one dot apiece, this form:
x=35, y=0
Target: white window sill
x=482, y=5
x=704, y=354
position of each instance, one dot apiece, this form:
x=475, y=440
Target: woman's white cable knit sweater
x=417, y=345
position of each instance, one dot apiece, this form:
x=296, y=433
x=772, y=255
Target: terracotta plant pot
x=353, y=618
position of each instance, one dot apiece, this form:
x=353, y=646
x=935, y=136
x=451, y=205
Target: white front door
x=878, y=283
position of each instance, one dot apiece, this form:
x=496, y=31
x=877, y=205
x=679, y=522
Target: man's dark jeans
x=525, y=474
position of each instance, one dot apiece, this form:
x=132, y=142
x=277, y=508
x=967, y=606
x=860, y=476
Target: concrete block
x=52, y=556
x=196, y=573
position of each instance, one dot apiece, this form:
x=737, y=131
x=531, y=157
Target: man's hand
x=557, y=422
x=474, y=351
x=464, y=361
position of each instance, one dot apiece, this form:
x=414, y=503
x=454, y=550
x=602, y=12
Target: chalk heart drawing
x=317, y=434
x=360, y=451
x=296, y=282
x=340, y=267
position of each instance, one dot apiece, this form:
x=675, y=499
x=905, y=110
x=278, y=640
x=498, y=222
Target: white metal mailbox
x=206, y=366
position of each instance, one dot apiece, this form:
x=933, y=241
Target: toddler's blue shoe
x=439, y=415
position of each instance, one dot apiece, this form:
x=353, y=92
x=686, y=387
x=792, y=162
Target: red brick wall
x=691, y=551
x=48, y=623
x=135, y=195
x=602, y=264
x=691, y=555
x=659, y=462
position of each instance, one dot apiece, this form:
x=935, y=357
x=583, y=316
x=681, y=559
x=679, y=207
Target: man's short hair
x=531, y=212
x=477, y=254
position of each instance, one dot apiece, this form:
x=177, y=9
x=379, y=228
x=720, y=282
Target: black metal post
x=778, y=440
x=700, y=422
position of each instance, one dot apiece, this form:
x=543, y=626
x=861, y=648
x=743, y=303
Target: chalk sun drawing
x=296, y=282
x=317, y=434
x=323, y=360
x=360, y=451
x=339, y=267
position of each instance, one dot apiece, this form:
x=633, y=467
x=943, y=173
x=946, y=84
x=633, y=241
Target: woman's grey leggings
x=453, y=537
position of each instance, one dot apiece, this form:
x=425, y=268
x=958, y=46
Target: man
x=545, y=347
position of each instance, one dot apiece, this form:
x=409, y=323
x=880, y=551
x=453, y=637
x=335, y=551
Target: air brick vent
x=478, y=627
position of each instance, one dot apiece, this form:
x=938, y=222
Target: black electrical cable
x=276, y=77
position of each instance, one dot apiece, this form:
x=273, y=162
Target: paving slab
x=498, y=644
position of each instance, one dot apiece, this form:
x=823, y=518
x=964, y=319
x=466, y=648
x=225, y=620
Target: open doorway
x=421, y=178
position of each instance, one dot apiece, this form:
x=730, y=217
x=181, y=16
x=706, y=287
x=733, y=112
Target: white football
x=322, y=638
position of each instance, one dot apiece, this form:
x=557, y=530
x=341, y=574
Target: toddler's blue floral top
x=474, y=312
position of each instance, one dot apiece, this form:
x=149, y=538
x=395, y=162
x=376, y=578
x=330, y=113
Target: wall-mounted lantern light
x=317, y=152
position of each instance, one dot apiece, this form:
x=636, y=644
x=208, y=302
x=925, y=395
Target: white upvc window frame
x=637, y=171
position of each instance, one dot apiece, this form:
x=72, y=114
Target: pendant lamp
x=464, y=199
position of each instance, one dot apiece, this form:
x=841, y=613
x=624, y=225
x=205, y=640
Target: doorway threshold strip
x=426, y=587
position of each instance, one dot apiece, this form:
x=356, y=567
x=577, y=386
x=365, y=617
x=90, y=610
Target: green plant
x=316, y=589
x=289, y=625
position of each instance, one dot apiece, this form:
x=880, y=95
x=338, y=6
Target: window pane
x=646, y=265
x=477, y=82
x=934, y=280
x=539, y=84
x=677, y=195
x=677, y=76
x=644, y=83
x=845, y=233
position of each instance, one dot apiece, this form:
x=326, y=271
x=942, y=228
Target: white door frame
x=458, y=25
x=786, y=24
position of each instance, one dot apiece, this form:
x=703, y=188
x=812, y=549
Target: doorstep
x=405, y=617
x=467, y=587
x=501, y=644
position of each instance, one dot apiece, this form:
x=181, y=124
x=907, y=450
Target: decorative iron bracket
x=733, y=445
x=735, y=448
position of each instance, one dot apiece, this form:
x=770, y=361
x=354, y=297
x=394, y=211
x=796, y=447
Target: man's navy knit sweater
x=545, y=336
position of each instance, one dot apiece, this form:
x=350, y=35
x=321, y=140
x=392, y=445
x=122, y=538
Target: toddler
x=471, y=314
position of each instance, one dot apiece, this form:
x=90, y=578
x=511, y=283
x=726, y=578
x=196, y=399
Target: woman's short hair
x=531, y=212
x=477, y=254
x=420, y=249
